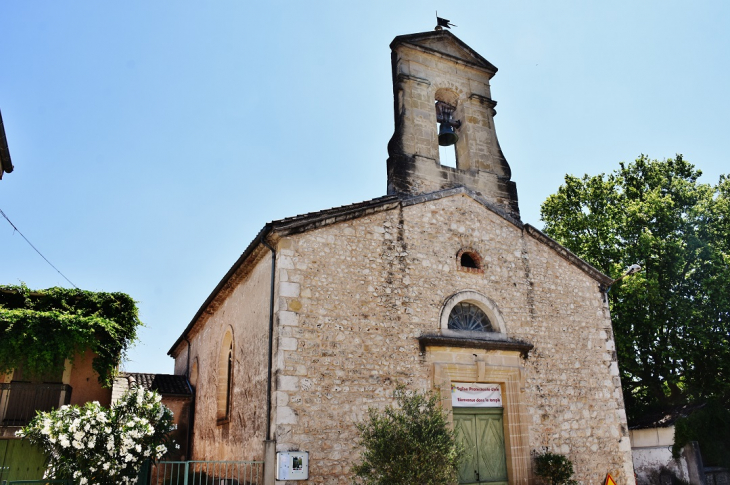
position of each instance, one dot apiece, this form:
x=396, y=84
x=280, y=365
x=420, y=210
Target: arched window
x=468, y=316
x=225, y=378
x=470, y=311
x=468, y=260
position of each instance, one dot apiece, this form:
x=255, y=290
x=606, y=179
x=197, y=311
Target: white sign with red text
x=464, y=395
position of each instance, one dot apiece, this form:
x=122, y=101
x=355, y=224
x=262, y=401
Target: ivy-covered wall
x=40, y=329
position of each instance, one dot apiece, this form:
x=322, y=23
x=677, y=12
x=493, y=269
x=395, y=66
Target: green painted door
x=481, y=430
x=19, y=460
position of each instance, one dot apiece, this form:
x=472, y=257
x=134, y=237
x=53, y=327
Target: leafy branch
x=39, y=329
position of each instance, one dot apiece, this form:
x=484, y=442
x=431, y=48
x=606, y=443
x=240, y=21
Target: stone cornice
x=434, y=340
x=407, y=77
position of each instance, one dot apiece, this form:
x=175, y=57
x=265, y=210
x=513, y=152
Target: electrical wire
x=36, y=249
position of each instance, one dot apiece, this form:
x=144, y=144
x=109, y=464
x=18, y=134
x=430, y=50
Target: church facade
x=438, y=286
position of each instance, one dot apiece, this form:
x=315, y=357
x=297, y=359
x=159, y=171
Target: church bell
x=447, y=135
x=447, y=132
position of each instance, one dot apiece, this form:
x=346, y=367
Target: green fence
x=38, y=482
x=21, y=463
x=207, y=473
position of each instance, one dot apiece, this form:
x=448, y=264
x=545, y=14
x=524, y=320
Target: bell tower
x=441, y=95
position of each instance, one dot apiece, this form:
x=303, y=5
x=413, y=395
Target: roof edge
x=566, y=254
x=213, y=294
x=440, y=194
x=410, y=38
x=314, y=220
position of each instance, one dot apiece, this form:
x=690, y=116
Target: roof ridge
x=354, y=205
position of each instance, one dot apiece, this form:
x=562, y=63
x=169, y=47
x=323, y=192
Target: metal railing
x=37, y=482
x=19, y=401
x=207, y=473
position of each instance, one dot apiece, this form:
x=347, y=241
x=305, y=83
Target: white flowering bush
x=94, y=445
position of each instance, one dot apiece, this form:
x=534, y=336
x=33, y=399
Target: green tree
x=672, y=320
x=410, y=443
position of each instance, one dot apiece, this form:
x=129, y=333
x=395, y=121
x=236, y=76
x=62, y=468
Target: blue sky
x=152, y=140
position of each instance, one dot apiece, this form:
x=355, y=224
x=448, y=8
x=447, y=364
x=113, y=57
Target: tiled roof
x=162, y=383
x=335, y=213
x=306, y=222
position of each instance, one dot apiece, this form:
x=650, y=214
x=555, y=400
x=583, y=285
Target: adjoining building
x=437, y=285
x=176, y=394
x=6, y=164
x=23, y=394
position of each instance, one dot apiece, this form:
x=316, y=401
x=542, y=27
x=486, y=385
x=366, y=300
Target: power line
x=36, y=249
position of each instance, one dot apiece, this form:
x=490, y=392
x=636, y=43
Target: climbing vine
x=40, y=329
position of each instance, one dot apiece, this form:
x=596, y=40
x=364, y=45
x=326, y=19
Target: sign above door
x=476, y=395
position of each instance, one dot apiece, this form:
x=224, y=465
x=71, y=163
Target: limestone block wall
x=353, y=297
x=573, y=386
x=243, y=309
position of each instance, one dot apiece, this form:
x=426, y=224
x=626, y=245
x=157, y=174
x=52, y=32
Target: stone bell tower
x=433, y=72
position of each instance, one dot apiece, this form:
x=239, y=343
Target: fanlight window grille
x=467, y=316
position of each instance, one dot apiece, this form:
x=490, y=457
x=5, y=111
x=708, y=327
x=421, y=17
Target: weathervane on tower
x=441, y=23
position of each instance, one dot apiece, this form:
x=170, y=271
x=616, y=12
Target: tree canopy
x=39, y=329
x=672, y=320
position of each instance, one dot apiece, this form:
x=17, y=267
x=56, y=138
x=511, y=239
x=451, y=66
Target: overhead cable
x=36, y=249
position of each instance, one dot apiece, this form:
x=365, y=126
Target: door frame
x=489, y=367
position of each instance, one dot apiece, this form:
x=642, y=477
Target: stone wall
x=353, y=297
x=653, y=462
x=242, y=308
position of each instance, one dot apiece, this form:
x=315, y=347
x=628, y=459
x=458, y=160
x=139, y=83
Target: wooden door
x=481, y=431
x=19, y=460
